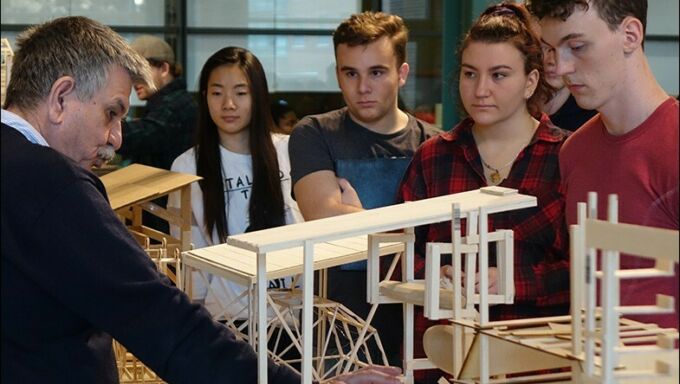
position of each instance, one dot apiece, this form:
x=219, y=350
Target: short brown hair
x=611, y=11
x=367, y=27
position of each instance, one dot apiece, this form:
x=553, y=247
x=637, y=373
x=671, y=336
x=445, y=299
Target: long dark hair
x=266, y=207
x=512, y=23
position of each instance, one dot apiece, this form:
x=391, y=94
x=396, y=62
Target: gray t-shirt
x=319, y=141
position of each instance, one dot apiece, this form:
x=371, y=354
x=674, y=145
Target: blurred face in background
x=144, y=92
x=287, y=122
x=550, y=68
x=550, y=64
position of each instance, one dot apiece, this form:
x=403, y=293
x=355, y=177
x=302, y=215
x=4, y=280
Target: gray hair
x=73, y=46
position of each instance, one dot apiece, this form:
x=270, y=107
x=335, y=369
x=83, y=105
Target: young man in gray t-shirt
x=370, y=52
x=370, y=138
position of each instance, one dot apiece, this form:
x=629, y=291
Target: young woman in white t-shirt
x=245, y=168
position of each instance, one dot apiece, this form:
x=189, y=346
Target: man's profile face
x=90, y=125
x=144, y=92
x=369, y=78
x=588, y=55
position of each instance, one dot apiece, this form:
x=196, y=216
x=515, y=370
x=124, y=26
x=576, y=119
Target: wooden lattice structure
x=338, y=335
x=600, y=341
x=374, y=222
x=343, y=340
x=456, y=301
x=593, y=345
x=131, y=190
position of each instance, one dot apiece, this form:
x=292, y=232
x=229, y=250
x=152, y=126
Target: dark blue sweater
x=72, y=277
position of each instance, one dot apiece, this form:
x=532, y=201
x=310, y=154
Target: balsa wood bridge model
x=305, y=238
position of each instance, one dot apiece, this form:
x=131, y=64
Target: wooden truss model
x=601, y=346
x=342, y=338
x=372, y=222
x=457, y=302
x=131, y=191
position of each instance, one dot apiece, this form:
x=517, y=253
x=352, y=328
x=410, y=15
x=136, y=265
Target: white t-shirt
x=237, y=170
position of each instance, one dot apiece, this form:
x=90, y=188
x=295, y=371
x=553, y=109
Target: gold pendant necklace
x=495, y=173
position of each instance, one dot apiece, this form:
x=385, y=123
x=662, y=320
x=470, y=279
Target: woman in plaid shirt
x=506, y=141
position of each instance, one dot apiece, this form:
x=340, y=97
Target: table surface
x=138, y=183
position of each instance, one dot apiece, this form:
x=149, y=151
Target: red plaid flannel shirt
x=450, y=163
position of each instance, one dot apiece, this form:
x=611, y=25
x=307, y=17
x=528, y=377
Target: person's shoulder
x=459, y=132
x=183, y=100
x=434, y=143
x=175, y=94
x=581, y=140
x=586, y=131
x=281, y=146
x=186, y=162
x=425, y=129
x=176, y=86
x=442, y=138
x=672, y=114
x=44, y=178
x=327, y=121
x=548, y=131
x=429, y=129
x=317, y=127
x=25, y=151
x=280, y=141
x=669, y=110
x=429, y=151
x=336, y=114
x=28, y=163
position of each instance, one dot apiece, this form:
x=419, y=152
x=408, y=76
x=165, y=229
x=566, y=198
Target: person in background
x=562, y=107
x=370, y=142
x=73, y=276
x=506, y=140
x=167, y=127
x=244, y=165
x=284, y=117
x=631, y=147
